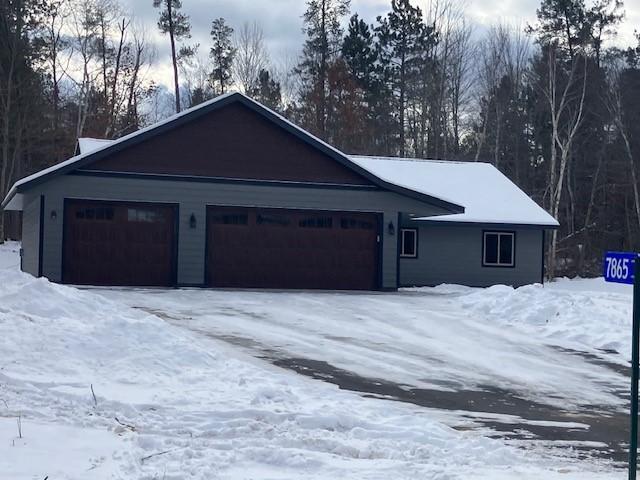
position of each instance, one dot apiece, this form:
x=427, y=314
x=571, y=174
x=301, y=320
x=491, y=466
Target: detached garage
x=230, y=194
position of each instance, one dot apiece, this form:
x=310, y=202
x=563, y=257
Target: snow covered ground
x=94, y=386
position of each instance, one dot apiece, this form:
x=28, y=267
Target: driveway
x=424, y=347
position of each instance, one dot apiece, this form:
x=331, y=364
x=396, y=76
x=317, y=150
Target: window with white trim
x=408, y=242
x=498, y=249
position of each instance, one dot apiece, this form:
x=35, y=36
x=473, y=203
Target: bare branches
x=251, y=56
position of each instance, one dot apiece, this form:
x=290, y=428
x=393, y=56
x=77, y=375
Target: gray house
x=231, y=194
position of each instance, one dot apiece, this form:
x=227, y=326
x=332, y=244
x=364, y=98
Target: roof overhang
x=486, y=225
x=13, y=200
x=180, y=119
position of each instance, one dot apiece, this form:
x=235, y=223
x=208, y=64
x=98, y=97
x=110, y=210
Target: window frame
x=415, y=243
x=500, y=233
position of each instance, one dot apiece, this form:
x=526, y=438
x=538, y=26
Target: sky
x=282, y=23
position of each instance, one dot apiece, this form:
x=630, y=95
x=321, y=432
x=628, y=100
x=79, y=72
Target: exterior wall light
x=192, y=221
x=54, y=215
x=391, y=229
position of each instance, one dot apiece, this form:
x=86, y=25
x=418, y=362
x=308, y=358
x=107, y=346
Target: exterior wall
x=453, y=254
x=31, y=235
x=193, y=197
x=232, y=142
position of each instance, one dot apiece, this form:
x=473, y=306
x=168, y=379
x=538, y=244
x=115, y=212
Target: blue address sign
x=619, y=267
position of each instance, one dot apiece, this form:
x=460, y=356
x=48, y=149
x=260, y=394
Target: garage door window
x=498, y=249
x=230, y=219
x=316, y=222
x=355, y=224
x=143, y=215
x=273, y=220
x=97, y=213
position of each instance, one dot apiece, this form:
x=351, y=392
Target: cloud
x=281, y=21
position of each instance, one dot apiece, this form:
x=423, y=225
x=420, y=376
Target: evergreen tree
x=402, y=42
x=324, y=36
x=177, y=25
x=372, y=122
x=22, y=101
x=222, y=53
x=359, y=52
x=562, y=22
x=267, y=91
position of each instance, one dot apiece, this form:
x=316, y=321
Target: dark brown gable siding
x=233, y=142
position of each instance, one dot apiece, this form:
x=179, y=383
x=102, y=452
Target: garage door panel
x=119, y=244
x=291, y=249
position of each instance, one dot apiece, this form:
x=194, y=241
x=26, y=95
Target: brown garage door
x=119, y=243
x=276, y=248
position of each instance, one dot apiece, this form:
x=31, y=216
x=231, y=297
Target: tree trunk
x=174, y=58
x=321, y=114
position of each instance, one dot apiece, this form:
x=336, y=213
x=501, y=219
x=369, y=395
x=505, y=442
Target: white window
x=409, y=242
x=498, y=249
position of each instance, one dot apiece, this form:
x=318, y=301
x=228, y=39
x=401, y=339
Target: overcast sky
x=282, y=23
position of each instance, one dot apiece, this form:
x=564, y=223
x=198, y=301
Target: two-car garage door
x=135, y=244
x=278, y=248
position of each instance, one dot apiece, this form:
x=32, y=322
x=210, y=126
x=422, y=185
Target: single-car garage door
x=278, y=248
x=109, y=243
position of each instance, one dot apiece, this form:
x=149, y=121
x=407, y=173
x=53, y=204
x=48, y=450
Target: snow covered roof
x=95, y=149
x=487, y=195
x=86, y=144
x=472, y=192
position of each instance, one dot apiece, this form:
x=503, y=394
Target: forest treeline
x=555, y=104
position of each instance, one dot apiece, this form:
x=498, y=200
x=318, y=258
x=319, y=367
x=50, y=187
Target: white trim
x=415, y=243
x=485, y=263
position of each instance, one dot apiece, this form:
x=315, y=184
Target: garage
x=282, y=248
x=111, y=243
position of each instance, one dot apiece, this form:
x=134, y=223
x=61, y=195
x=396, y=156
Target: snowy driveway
x=532, y=366
x=207, y=387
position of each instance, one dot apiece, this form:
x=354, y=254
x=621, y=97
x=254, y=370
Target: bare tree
x=196, y=72
x=142, y=55
x=566, y=109
x=461, y=79
x=57, y=55
x=490, y=71
x=614, y=105
x=84, y=29
x=251, y=56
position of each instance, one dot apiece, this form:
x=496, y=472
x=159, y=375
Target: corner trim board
x=40, y=236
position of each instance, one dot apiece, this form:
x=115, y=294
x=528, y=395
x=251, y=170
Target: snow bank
x=583, y=314
x=174, y=404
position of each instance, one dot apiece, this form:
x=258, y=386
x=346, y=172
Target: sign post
x=619, y=267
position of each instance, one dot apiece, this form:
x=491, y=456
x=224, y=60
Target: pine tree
x=360, y=55
x=359, y=52
x=177, y=25
x=402, y=41
x=563, y=22
x=324, y=36
x=267, y=91
x=222, y=53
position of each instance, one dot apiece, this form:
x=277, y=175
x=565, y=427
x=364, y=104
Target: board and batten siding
x=31, y=235
x=193, y=198
x=453, y=254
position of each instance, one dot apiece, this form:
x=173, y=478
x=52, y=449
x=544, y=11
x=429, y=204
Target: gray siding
x=193, y=197
x=31, y=235
x=453, y=254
